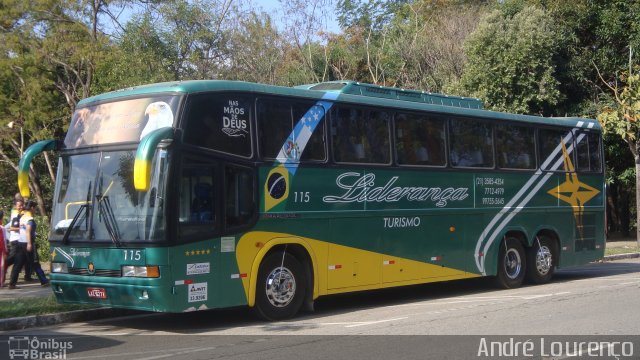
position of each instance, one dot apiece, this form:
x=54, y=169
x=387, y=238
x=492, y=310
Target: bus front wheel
x=281, y=287
x=541, y=260
x=511, y=264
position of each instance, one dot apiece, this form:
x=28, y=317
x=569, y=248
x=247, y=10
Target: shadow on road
x=211, y=321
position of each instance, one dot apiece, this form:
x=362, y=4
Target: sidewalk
x=24, y=290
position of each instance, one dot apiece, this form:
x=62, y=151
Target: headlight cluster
x=60, y=268
x=141, y=271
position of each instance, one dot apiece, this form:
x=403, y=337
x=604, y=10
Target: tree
x=427, y=38
x=510, y=62
x=139, y=56
x=622, y=118
x=304, y=22
x=256, y=50
x=372, y=15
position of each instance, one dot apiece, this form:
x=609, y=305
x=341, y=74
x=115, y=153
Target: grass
x=36, y=306
x=622, y=250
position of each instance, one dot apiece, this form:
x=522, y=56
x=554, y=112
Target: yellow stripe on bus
x=338, y=268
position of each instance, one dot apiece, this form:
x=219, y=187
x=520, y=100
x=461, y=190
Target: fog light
x=145, y=295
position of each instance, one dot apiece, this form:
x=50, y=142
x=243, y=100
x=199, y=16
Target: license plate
x=97, y=293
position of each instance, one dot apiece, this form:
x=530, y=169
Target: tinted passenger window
x=471, y=143
x=294, y=131
x=219, y=122
x=196, y=194
x=361, y=136
x=550, y=148
x=197, y=215
x=515, y=147
x=420, y=140
x=589, y=158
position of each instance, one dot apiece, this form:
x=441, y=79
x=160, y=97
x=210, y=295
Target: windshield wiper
x=87, y=207
x=106, y=211
x=67, y=233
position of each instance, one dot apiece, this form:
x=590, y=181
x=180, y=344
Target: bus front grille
x=97, y=272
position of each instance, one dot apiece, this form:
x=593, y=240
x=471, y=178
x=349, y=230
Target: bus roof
x=347, y=92
x=356, y=88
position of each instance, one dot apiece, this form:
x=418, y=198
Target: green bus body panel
x=421, y=230
x=449, y=218
x=182, y=268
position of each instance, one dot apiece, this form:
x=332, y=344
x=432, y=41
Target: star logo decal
x=572, y=190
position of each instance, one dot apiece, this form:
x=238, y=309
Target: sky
x=272, y=7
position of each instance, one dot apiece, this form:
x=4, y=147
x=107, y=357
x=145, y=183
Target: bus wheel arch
x=284, y=282
x=512, y=260
x=543, y=257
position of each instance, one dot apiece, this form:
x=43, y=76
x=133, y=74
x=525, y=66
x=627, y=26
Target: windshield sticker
x=120, y=121
x=234, y=123
x=198, y=268
x=159, y=115
x=197, y=292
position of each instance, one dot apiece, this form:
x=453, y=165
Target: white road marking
x=142, y=353
x=365, y=323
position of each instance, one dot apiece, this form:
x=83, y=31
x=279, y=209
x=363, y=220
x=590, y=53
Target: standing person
x=18, y=246
x=28, y=266
x=28, y=232
x=3, y=249
x=13, y=231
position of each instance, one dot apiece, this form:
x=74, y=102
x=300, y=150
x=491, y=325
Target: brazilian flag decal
x=276, y=188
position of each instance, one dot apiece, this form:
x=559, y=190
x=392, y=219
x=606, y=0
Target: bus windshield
x=95, y=200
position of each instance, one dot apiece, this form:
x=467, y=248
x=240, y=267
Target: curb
x=20, y=323
x=621, y=256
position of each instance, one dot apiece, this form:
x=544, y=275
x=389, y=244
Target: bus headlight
x=141, y=271
x=61, y=268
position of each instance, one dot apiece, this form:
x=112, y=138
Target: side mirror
x=25, y=162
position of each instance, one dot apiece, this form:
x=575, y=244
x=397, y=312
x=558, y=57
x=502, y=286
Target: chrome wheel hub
x=512, y=263
x=543, y=260
x=280, y=287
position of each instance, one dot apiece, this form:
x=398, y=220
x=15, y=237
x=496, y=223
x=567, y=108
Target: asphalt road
x=596, y=302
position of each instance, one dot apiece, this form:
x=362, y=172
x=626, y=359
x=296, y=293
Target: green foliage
x=367, y=14
x=623, y=116
x=42, y=238
x=258, y=49
x=140, y=57
x=510, y=62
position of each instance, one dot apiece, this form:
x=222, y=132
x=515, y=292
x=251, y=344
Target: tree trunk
x=638, y=199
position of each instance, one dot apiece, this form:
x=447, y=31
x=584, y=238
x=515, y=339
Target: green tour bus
x=194, y=195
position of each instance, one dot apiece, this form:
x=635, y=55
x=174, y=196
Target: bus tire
x=511, y=264
x=281, y=287
x=542, y=258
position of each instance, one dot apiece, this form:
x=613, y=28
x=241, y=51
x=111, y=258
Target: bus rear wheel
x=541, y=260
x=281, y=287
x=511, y=264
